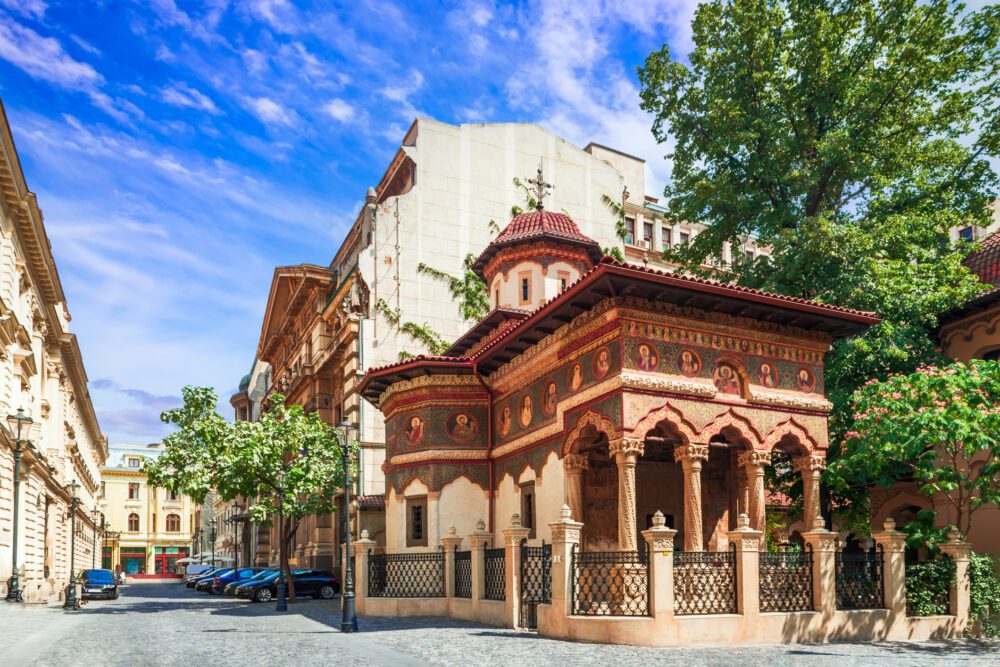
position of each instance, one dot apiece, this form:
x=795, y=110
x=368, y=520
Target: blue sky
x=181, y=150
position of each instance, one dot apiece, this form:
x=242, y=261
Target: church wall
x=973, y=337
x=461, y=505
x=544, y=282
x=550, y=495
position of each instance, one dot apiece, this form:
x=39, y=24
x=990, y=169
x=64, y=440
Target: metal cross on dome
x=541, y=187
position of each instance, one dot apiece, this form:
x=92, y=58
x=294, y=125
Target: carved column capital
x=575, y=463
x=811, y=463
x=627, y=446
x=755, y=458
x=691, y=453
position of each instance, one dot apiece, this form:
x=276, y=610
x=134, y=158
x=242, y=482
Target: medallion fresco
x=435, y=427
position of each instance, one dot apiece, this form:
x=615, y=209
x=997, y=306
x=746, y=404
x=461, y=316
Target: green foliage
x=939, y=425
x=984, y=594
x=530, y=202
x=927, y=586
x=469, y=290
x=421, y=333
x=614, y=251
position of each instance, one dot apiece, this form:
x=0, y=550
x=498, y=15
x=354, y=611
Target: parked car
x=99, y=584
x=231, y=587
x=314, y=583
x=196, y=570
x=205, y=583
x=198, y=577
x=240, y=574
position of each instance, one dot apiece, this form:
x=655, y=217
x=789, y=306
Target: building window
x=528, y=508
x=133, y=522
x=630, y=231
x=647, y=235
x=665, y=238
x=103, y=490
x=416, y=529
x=684, y=238
x=750, y=255
x=133, y=491
x=563, y=280
x=967, y=234
x=134, y=462
x=173, y=523
x=525, y=288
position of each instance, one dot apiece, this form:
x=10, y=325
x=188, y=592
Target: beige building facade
x=146, y=529
x=41, y=373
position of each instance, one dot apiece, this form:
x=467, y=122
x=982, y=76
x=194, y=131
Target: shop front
x=165, y=560
x=133, y=560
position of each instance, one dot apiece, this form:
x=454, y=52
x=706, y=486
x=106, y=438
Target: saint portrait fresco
x=767, y=375
x=550, y=399
x=726, y=380
x=805, y=381
x=461, y=427
x=575, y=380
x=645, y=357
x=689, y=363
x=414, y=430
x=504, y=421
x=602, y=363
x=527, y=410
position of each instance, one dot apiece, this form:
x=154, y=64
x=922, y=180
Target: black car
x=239, y=575
x=231, y=587
x=99, y=584
x=205, y=583
x=308, y=583
x=198, y=577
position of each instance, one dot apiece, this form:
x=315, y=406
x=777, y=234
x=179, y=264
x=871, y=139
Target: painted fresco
x=435, y=427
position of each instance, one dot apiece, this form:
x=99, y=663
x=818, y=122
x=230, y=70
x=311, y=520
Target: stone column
x=660, y=546
x=691, y=457
x=625, y=452
x=753, y=463
x=433, y=519
x=960, y=589
x=451, y=543
x=565, y=537
x=811, y=468
x=512, y=559
x=824, y=571
x=575, y=466
x=479, y=541
x=362, y=548
x=893, y=544
x=748, y=542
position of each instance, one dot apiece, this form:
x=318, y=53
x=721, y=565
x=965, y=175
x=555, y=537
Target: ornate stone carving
x=627, y=446
x=691, y=456
x=789, y=400
x=811, y=467
x=667, y=383
x=667, y=413
x=575, y=462
x=755, y=458
x=690, y=453
x=626, y=451
x=793, y=428
x=753, y=463
x=659, y=537
x=734, y=420
x=593, y=419
x=805, y=464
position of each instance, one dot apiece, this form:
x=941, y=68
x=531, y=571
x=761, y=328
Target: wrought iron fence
x=610, y=583
x=786, y=582
x=860, y=583
x=463, y=574
x=928, y=586
x=496, y=574
x=705, y=582
x=536, y=582
x=406, y=575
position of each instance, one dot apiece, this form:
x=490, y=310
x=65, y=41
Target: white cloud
x=44, y=58
x=402, y=91
x=339, y=110
x=164, y=54
x=182, y=95
x=31, y=8
x=279, y=14
x=270, y=112
x=255, y=61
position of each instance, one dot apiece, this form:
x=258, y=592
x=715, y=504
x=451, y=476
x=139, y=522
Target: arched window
x=173, y=523
x=133, y=522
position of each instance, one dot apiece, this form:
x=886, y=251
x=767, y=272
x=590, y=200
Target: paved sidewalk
x=157, y=623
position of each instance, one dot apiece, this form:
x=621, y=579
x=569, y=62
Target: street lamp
x=195, y=542
x=14, y=584
x=211, y=538
x=348, y=617
x=236, y=528
x=282, y=603
x=93, y=551
x=71, y=600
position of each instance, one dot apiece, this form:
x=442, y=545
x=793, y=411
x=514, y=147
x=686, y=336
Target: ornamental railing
x=786, y=582
x=536, y=582
x=610, y=583
x=705, y=582
x=463, y=574
x=418, y=575
x=495, y=574
x=860, y=579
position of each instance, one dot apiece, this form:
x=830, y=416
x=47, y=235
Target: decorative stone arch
x=669, y=414
x=790, y=427
x=905, y=498
x=731, y=419
x=593, y=419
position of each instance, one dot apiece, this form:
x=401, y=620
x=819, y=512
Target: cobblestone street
x=163, y=623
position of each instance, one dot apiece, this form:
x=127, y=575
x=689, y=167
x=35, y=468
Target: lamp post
x=14, y=583
x=348, y=617
x=211, y=538
x=71, y=601
x=195, y=542
x=93, y=551
x=282, y=603
x=236, y=528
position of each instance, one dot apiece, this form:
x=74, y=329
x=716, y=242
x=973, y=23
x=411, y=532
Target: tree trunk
x=287, y=544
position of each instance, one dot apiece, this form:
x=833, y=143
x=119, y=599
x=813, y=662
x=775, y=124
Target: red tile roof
x=986, y=260
x=538, y=225
x=371, y=502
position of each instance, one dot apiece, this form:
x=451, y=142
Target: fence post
x=893, y=544
x=512, y=560
x=960, y=589
x=362, y=548
x=824, y=568
x=450, y=544
x=747, y=542
x=565, y=536
x=479, y=542
x=660, y=547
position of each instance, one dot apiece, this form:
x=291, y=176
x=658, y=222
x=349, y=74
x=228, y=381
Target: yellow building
x=146, y=529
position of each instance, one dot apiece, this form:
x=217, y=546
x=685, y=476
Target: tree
x=939, y=426
x=246, y=460
x=849, y=136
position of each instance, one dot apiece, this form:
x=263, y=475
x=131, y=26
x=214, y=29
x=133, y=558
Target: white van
x=195, y=570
